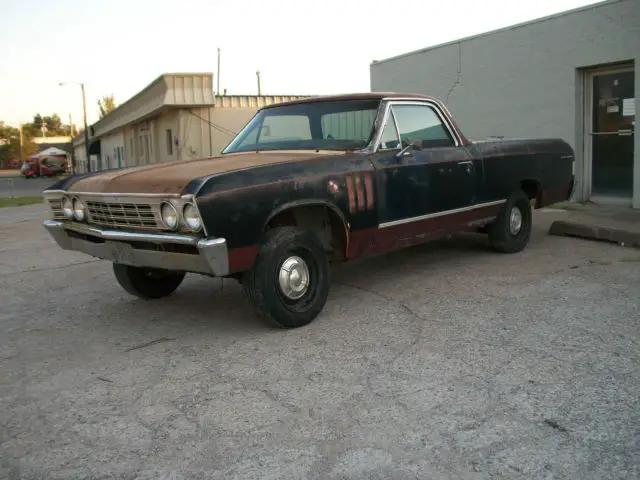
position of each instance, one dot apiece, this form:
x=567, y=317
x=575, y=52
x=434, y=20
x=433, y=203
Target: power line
x=220, y=128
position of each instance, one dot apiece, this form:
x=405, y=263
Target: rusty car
x=305, y=185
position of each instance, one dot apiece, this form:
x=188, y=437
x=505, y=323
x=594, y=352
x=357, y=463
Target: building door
x=612, y=133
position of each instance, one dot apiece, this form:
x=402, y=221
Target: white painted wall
x=111, y=146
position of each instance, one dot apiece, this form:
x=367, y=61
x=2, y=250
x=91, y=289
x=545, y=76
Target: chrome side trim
x=440, y=214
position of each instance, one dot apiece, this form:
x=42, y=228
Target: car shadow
x=202, y=302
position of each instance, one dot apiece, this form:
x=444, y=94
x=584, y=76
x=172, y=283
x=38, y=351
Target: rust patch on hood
x=172, y=178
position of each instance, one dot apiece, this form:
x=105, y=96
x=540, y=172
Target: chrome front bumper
x=187, y=253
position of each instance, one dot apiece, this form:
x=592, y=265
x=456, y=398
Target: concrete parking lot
x=442, y=361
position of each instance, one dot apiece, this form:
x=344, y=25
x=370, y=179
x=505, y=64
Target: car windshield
x=338, y=125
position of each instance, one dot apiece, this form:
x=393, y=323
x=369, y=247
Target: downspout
x=210, y=134
x=179, y=149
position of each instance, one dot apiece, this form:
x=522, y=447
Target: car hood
x=172, y=178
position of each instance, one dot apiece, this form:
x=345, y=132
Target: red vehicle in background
x=44, y=165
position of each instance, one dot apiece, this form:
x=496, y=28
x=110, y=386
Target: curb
x=562, y=228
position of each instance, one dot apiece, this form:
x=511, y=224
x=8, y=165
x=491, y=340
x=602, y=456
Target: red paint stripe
x=242, y=258
x=352, y=198
x=360, y=191
x=373, y=241
x=551, y=196
x=368, y=185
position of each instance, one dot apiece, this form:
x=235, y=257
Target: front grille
x=122, y=215
x=55, y=204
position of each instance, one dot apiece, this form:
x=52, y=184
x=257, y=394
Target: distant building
x=574, y=75
x=61, y=142
x=176, y=117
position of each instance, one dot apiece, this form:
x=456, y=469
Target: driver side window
x=421, y=123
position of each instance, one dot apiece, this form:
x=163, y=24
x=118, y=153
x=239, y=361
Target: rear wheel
x=288, y=284
x=147, y=283
x=511, y=230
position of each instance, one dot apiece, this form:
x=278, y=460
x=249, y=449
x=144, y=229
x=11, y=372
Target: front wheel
x=511, y=230
x=147, y=283
x=288, y=284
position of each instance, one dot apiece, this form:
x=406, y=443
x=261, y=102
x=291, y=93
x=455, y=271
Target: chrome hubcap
x=515, y=221
x=294, y=278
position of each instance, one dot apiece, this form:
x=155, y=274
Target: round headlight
x=192, y=217
x=67, y=207
x=169, y=215
x=78, y=210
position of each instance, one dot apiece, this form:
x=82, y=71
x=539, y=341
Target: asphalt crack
x=47, y=269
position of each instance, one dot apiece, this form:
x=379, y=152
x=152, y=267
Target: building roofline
x=516, y=26
x=158, y=79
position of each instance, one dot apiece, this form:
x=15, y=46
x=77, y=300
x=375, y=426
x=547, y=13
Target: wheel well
x=532, y=189
x=324, y=221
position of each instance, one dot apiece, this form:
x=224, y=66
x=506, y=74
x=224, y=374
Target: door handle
x=625, y=133
x=468, y=164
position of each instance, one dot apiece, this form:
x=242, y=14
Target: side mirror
x=412, y=144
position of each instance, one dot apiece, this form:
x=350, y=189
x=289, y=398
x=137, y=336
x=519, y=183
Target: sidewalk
x=607, y=223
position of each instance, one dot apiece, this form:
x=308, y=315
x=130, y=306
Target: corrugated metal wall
x=348, y=125
x=253, y=101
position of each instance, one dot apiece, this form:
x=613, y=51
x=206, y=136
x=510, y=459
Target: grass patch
x=630, y=259
x=19, y=201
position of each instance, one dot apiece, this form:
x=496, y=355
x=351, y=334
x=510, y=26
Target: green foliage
x=52, y=124
x=106, y=104
x=10, y=144
x=19, y=201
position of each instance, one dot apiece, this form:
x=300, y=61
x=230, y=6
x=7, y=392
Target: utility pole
x=86, y=129
x=258, y=75
x=218, y=87
x=21, y=145
x=70, y=128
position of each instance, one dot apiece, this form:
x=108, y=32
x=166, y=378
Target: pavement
x=606, y=223
x=443, y=361
x=22, y=187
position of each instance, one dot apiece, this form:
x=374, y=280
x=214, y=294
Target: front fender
x=311, y=202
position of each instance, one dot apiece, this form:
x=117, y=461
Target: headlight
x=78, y=210
x=67, y=207
x=192, y=217
x=169, y=215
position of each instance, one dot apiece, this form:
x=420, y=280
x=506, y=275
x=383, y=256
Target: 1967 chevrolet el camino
x=304, y=185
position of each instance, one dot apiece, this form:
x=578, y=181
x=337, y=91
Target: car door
x=436, y=176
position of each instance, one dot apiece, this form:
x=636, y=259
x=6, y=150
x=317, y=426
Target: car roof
x=353, y=96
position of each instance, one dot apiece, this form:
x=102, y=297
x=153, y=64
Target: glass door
x=612, y=131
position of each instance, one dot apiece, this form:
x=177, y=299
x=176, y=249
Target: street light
x=86, y=129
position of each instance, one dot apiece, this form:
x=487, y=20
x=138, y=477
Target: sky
x=300, y=47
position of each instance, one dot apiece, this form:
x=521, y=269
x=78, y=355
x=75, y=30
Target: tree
x=106, y=105
x=10, y=144
x=52, y=123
